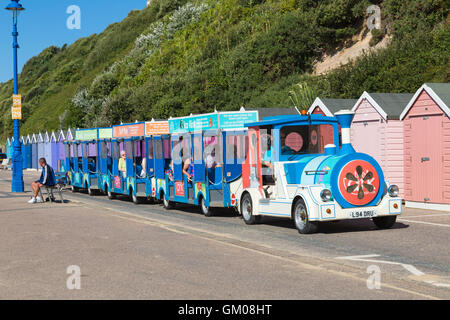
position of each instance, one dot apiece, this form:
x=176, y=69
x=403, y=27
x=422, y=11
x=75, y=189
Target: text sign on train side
x=86, y=134
x=16, y=110
x=129, y=130
x=154, y=128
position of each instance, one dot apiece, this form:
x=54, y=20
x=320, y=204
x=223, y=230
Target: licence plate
x=357, y=214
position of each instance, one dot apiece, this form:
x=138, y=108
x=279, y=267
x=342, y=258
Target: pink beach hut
x=427, y=147
x=377, y=130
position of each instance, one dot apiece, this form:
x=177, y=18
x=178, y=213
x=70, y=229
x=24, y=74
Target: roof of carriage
x=286, y=119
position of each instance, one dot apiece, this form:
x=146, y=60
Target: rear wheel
x=384, y=222
x=301, y=219
x=206, y=210
x=247, y=210
x=166, y=203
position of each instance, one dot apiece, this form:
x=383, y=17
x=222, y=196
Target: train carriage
x=203, y=167
x=301, y=174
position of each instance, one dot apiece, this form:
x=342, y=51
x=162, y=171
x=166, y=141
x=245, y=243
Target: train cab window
x=306, y=139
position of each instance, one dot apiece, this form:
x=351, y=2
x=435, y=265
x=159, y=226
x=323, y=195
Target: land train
x=301, y=167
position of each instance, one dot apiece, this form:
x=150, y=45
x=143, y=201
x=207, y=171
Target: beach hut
x=427, y=147
x=61, y=150
x=29, y=149
x=34, y=151
x=327, y=107
x=23, y=148
x=9, y=149
x=47, y=148
x=377, y=130
x=40, y=143
x=54, y=154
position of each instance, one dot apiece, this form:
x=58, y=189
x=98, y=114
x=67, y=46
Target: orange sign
x=16, y=110
x=131, y=130
x=156, y=128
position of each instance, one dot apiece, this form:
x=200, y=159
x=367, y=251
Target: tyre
x=247, y=210
x=207, y=211
x=74, y=189
x=91, y=192
x=109, y=193
x=384, y=222
x=135, y=199
x=301, y=219
x=167, y=203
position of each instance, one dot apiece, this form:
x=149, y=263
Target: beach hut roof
x=331, y=106
x=34, y=138
x=439, y=92
x=69, y=134
x=388, y=105
x=40, y=137
x=62, y=134
x=53, y=137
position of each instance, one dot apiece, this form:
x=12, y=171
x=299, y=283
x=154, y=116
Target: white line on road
x=429, y=215
x=423, y=222
x=408, y=267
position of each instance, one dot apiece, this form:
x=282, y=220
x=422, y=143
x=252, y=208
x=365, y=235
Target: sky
x=44, y=23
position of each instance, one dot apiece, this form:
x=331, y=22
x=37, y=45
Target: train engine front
x=310, y=180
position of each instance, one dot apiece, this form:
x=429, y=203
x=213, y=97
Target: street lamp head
x=15, y=6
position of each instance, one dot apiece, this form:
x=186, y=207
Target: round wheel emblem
x=358, y=182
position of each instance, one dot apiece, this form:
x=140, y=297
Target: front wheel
x=384, y=222
x=206, y=210
x=247, y=210
x=301, y=219
x=167, y=203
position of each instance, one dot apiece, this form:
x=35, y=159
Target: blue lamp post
x=17, y=179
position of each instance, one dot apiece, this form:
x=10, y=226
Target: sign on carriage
x=129, y=130
x=86, y=134
x=16, y=110
x=153, y=128
x=212, y=121
x=105, y=133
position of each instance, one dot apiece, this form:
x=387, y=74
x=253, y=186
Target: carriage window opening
x=198, y=154
x=166, y=148
x=213, y=154
x=129, y=149
x=150, y=149
x=236, y=148
x=158, y=149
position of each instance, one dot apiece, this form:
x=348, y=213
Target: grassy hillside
x=178, y=57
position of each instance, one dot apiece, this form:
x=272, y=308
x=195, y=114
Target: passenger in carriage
x=123, y=164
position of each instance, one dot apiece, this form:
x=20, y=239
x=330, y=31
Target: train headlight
x=393, y=190
x=325, y=195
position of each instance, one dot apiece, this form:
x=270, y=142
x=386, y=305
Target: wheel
x=91, y=192
x=247, y=210
x=109, y=193
x=301, y=219
x=384, y=222
x=167, y=203
x=73, y=188
x=207, y=211
x=135, y=199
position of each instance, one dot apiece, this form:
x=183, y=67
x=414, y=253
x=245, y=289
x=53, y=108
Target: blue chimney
x=345, y=118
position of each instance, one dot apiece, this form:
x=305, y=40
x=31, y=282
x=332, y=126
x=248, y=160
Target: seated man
x=47, y=179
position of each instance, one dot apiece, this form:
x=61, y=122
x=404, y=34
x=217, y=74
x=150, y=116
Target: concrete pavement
x=144, y=252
